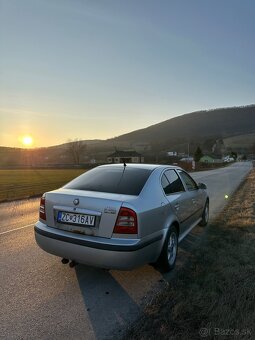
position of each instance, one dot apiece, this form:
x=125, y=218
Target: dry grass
x=16, y=184
x=213, y=296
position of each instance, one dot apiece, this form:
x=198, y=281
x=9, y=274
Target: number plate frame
x=70, y=218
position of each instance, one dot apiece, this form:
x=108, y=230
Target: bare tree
x=76, y=148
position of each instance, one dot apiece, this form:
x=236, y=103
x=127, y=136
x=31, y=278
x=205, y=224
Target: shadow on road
x=109, y=306
x=113, y=299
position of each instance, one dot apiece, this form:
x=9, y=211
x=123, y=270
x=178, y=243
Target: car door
x=193, y=198
x=177, y=197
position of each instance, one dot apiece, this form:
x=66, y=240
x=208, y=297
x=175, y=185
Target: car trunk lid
x=84, y=212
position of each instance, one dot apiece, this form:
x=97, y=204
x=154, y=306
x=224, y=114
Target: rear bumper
x=100, y=252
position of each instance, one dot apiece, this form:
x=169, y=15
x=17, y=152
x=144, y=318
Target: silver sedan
x=122, y=216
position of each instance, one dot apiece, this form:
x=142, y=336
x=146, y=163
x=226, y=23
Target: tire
x=167, y=258
x=205, y=215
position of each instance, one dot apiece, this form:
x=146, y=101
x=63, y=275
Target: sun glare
x=27, y=140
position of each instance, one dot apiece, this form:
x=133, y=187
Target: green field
x=16, y=184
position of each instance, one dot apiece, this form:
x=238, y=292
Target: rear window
x=126, y=180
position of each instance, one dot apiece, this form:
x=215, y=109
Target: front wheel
x=167, y=258
x=205, y=216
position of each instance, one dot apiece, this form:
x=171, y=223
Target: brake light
x=42, y=212
x=126, y=222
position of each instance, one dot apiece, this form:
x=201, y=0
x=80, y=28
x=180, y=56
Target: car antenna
x=124, y=164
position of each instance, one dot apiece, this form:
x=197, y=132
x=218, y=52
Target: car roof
x=141, y=166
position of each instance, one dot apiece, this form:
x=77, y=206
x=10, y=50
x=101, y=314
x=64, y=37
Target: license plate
x=81, y=219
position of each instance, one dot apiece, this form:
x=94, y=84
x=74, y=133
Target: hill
x=220, y=130
x=208, y=129
x=222, y=123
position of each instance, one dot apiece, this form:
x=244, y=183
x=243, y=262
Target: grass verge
x=17, y=184
x=213, y=296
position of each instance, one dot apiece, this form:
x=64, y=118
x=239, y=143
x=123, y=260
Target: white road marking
x=9, y=231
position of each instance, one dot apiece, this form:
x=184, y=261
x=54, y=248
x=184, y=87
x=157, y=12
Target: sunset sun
x=27, y=140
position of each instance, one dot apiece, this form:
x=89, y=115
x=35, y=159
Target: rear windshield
x=123, y=180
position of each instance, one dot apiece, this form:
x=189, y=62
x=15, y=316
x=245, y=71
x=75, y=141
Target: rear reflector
x=42, y=212
x=126, y=222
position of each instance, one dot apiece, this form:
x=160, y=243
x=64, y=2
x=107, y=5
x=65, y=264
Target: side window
x=165, y=184
x=171, y=182
x=190, y=183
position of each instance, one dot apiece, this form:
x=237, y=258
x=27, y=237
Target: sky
x=88, y=69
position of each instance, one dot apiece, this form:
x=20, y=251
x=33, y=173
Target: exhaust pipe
x=64, y=261
x=72, y=264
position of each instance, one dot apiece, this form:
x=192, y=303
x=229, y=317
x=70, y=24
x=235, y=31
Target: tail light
x=42, y=212
x=126, y=222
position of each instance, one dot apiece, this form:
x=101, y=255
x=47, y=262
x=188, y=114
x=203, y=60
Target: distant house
x=228, y=159
x=206, y=159
x=172, y=153
x=187, y=159
x=209, y=159
x=125, y=156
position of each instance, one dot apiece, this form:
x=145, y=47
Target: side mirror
x=202, y=186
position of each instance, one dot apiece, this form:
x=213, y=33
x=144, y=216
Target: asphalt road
x=43, y=299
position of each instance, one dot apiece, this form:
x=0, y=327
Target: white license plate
x=81, y=219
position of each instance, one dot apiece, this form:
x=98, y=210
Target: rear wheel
x=167, y=258
x=205, y=216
